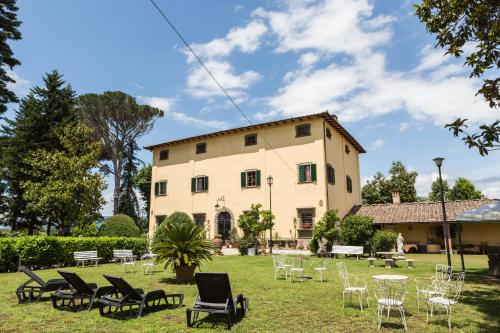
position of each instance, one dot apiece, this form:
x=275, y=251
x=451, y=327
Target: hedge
x=49, y=251
x=119, y=225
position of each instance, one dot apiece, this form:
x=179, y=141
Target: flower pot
x=217, y=242
x=184, y=273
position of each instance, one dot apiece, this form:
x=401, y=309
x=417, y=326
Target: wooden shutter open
x=206, y=183
x=243, y=179
x=193, y=184
x=313, y=172
x=257, y=176
x=302, y=173
x=157, y=188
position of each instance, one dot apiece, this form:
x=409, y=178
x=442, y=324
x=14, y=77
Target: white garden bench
x=347, y=250
x=83, y=257
x=123, y=255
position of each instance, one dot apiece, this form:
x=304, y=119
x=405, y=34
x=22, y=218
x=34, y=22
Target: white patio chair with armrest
x=353, y=284
x=451, y=295
x=432, y=286
x=279, y=266
x=390, y=294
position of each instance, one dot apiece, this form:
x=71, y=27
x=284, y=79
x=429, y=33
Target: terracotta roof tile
x=417, y=212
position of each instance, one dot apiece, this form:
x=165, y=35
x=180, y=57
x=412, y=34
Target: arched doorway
x=224, y=224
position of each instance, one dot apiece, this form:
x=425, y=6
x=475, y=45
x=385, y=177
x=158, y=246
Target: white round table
x=390, y=277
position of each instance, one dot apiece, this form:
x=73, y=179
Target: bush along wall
x=49, y=251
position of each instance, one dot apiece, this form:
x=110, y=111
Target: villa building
x=313, y=160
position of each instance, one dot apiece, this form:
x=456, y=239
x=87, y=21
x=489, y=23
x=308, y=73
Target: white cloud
x=424, y=182
x=238, y=8
x=162, y=103
x=377, y=143
x=200, y=84
x=188, y=120
x=403, y=127
x=245, y=39
x=332, y=26
x=21, y=87
x=490, y=190
x=360, y=85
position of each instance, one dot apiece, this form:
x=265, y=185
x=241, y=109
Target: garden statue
x=399, y=242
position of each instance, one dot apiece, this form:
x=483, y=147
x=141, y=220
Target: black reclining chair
x=79, y=291
x=131, y=297
x=215, y=297
x=27, y=292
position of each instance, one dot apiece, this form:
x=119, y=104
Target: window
x=163, y=154
x=307, y=173
x=250, y=178
x=328, y=133
x=306, y=218
x=159, y=220
x=199, y=220
x=199, y=184
x=201, y=148
x=330, y=174
x=250, y=139
x=302, y=130
x=349, y=184
x=347, y=149
x=161, y=188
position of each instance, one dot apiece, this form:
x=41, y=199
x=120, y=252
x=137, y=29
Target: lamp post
x=439, y=163
x=270, y=183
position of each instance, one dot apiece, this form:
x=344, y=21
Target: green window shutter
x=157, y=188
x=206, y=183
x=302, y=173
x=165, y=188
x=313, y=172
x=258, y=177
x=243, y=179
x=333, y=173
x=193, y=184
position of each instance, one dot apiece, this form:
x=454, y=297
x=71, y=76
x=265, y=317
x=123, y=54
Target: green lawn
x=275, y=306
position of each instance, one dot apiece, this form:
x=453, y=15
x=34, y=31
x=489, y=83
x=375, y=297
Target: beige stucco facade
x=278, y=152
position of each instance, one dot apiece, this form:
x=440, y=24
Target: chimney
x=396, y=198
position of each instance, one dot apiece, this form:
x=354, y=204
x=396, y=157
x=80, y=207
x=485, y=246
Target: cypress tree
x=41, y=114
x=9, y=25
x=128, y=203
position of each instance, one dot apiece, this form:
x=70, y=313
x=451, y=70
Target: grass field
x=275, y=306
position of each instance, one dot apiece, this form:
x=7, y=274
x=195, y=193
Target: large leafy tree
x=435, y=194
x=9, y=25
x=379, y=189
x=463, y=189
x=117, y=120
x=41, y=114
x=64, y=187
x=142, y=182
x=476, y=22
x=128, y=203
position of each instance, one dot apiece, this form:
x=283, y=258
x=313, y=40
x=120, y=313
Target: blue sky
x=370, y=62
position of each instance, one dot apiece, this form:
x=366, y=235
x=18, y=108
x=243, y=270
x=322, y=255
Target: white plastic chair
x=353, y=284
x=451, y=295
x=390, y=294
x=279, y=266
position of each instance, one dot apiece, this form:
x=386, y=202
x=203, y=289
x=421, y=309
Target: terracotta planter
x=185, y=274
x=217, y=242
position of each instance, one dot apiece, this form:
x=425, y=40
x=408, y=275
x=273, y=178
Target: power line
x=215, y=80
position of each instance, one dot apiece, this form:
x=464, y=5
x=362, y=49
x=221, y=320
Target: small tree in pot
x=253, y=223
x=184, y=247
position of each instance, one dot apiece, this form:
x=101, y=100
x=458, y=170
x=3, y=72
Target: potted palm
x=183, y=247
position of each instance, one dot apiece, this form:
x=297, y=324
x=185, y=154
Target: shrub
x=383, y=240
x=253, y=223
x=119, y=225
x=327, y=229
x=48, y=251
x=357, y=230
x=90, y=230
x=175, y=217
x=185, y=244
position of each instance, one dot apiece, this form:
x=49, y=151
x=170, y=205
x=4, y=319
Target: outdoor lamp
x=438, y=161
x=270, y=180
x=217, y=207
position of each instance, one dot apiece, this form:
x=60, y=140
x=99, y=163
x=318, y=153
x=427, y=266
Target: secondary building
x=313, y=160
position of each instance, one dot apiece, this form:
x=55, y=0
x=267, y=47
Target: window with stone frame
x=199, y=219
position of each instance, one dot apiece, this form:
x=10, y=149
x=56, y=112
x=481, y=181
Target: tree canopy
x=9, y=25
x=117, y=120
x=463, y=189
x=379, y=189
x=128, y=203
x=63, y=188
x=142, y=181
x=435, y=194
x=476, y=23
